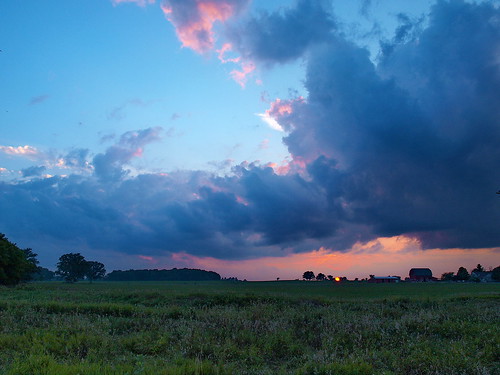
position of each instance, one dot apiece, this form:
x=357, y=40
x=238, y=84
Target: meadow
x=285, y=327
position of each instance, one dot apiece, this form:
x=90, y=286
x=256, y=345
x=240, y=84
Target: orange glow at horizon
x=380, y=257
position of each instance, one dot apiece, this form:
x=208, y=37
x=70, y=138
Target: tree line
x=461, y=275
x=464, y=275
x=175, y=274
x=18, y=265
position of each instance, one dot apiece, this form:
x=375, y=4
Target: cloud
x=279, y=109
x=141, y=3
x=76, y=159
x=38, y=99
x=109, y=165
x=285, y=35
x=33, y=171
x=409, y=146
x=27, y=151
x=194, y=19
x=241, y=76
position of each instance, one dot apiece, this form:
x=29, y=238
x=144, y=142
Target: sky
x=259, y=139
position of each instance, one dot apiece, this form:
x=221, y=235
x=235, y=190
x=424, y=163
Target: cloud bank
x=404, y=147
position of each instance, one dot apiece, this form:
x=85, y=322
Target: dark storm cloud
x=405, y=147
x=285, y=35
x=415, y=139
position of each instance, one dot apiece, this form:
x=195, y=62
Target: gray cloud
x=286, y=35
x=410, y=146
x=33, y=171
x=109, y=165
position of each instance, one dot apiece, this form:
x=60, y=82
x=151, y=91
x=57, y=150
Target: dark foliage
x=448, y=276
x=16, y=265
x=462, y=274
x=320, y=276
x=43, y=274
x=308, y=275
x=72, y=267
x=182, y=274
x=95, y=270
x=479, y=268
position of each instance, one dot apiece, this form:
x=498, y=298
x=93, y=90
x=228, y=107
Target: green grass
x=301, y=328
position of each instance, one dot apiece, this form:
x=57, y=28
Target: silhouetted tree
x=320, y=276
x=330, y=277
x=308, y=275
x=72, y=267
x=16, y=265
x=448, y=276
x=95, y=270
x=478, y=268
x=462, y=274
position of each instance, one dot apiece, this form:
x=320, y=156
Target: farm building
x=421, y=274
x=482, y=276
x=384, y=279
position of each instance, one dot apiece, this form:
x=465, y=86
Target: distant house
x=421, y=274
x=384, y=279
x=482, y=276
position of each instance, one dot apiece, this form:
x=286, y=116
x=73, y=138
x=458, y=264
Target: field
x=296, y=327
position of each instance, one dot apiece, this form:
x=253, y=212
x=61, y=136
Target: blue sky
x=130, y=138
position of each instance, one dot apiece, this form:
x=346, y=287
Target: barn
x=421, y=274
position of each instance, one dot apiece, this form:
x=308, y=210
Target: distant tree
x=320, y=276
x=16, y=265
x=330, y=277
x=448, y=276
x=42, y=274
x=495, y=274
x=462, y=274
x=308, y=275
x=478, y=268
x=72, y=267
x=95, y=270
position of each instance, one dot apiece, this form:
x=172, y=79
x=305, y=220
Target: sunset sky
x=258, y=139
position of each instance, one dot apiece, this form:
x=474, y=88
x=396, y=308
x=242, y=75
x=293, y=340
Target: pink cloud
x=227, y=47
x=241, y=76
x=278, y=110
x=141, y=3
x=24, y=151
x=194, y=19
x=145, y=257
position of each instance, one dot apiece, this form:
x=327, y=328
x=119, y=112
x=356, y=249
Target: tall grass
x=249, y=328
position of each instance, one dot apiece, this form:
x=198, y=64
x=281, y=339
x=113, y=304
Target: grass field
x=284, y=327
